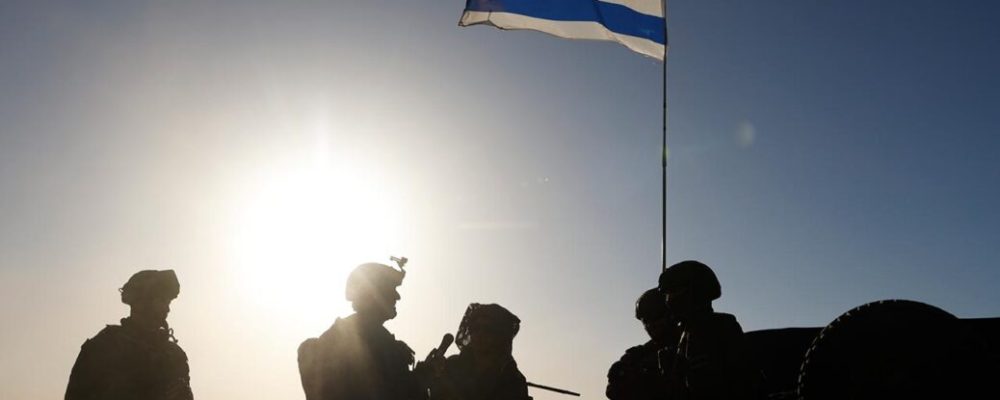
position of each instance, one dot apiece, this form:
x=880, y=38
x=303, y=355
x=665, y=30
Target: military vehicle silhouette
x=888, y=349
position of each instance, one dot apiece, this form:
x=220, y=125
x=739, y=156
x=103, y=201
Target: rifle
x=552, y=389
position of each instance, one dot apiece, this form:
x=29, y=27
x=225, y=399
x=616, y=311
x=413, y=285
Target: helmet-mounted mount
x=400, y=262
x=374, y=278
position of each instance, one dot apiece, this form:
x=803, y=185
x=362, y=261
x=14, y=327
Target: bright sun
x=301, y=231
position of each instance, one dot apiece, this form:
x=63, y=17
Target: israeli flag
x=638, y=24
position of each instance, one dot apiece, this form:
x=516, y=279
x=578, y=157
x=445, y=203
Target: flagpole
x=664, y=151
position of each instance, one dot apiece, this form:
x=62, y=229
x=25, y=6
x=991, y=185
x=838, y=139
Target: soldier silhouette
x=485, y=368
x=638, y=375
x=712, y=359
x=140, y=358
x=357, y=358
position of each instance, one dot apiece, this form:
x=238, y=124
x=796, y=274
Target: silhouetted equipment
x=484, y=367
x=712, y=360
x=778, y=353
x=487, y=318
x=883, y=350
x=140, y=358
x=372, y=277
x=357, y=358
x=638, y=374
x=446, y=342
x=552, y=389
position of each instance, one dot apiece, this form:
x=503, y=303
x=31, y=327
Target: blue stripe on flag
x=616, y=17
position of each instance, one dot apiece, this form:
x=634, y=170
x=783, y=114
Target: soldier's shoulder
x=384, y=339
x=108, y=343
x=513, y=367
x=339, y=327
x=176, y=349
x=111, y=334
x=632, y=356
x=403, y=347
x=110, y=331
x=308, y=346
x=341, y=336
x=514, y=376
x=640, y=351
x=727, y=321
x=454, y=359
x=404, y=352
x=726, y=317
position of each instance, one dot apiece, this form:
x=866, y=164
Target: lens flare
x=301, y=231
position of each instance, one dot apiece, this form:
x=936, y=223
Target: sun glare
x=301, y=232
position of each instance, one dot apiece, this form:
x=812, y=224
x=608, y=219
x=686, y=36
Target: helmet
x=651, y=305
x=150, y=284
x=693, y=277
x=487, y=317
x=370, y=277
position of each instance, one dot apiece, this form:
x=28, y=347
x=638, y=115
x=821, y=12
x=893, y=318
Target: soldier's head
x=487, y=330
x=371, y=289
x=690, y=287
x=651, y=309
x=149, y=294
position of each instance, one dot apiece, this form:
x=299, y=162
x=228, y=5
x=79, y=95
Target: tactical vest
x=121, y=363
x=353, y=362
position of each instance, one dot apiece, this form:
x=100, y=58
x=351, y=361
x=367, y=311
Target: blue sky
x=823, y=155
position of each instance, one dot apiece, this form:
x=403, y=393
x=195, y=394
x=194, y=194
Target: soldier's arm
x=515, y=385
x=742, y=375
x=84, y=378
x=443, y=385
x=618, y=385
x=430, y=370
x=179, y=391
x=719, y=370
x=178, y=385
x=335, y=379
x=612, y=389
x=622, y=380
x=704, y=366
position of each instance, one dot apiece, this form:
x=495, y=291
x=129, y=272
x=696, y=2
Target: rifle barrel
x=552, y=389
